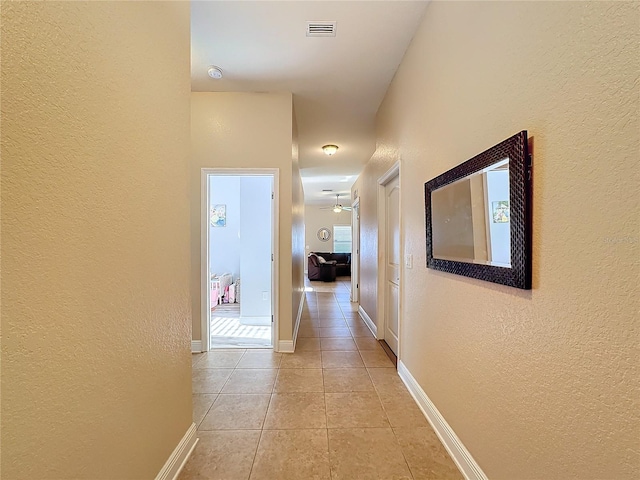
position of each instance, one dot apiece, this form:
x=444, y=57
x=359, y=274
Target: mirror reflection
x=470, y=218
x=324, y=234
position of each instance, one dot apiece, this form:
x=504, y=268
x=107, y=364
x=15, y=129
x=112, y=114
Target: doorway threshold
x=239, y=346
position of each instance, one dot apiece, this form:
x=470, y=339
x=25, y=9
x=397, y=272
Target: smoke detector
x=215, y=72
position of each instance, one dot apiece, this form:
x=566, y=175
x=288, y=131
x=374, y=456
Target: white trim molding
x=205, y=291
x=460, y=455
x=196, y=346
x=355, y=250
x=289, y=346
x=368, y=321
x=298, y=319
x=178, y=458
x=390, y=175
x=286, y=346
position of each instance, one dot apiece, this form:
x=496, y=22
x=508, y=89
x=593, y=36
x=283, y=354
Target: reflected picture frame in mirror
x=459, y=241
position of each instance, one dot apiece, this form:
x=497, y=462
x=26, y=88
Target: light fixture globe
x=330, y=149
x=337, y=209
x=214, y=72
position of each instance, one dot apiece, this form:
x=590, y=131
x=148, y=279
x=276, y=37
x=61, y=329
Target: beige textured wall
x=297, y=228
x=316, y=218
x=96, y=377
x=244, y=130
x=366, y=188
x=539, y=384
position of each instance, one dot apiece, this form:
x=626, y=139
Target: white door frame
x=355, y=250
x=205, y=290
x=389, y=175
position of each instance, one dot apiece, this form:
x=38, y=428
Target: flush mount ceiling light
x=330, y=149
x=215, y=72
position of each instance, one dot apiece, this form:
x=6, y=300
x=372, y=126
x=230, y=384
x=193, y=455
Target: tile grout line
x=402, y=452
x=255, y=454
x=326, y=414
x=207, y=412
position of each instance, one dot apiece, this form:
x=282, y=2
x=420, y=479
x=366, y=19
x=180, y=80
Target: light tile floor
x=336, y=409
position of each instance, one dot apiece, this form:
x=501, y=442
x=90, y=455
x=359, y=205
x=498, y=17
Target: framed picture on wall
x=219, y=215
x=500, y=211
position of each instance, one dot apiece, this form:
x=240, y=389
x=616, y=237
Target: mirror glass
x=324, y=234
x=471, y=218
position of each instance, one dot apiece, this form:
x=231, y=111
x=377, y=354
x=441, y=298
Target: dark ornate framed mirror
x=478, y=216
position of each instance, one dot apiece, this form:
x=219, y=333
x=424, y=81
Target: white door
x=392, y=263
x=355, y=253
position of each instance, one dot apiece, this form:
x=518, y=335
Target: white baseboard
x=176, y=461
x=285, y=346
x=298, y=319
x=368, y=321
x=196, y=346
x=460, y=455
x=289, y=346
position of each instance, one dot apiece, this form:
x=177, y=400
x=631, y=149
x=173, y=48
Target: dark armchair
x=343, y=261
x=320, y=269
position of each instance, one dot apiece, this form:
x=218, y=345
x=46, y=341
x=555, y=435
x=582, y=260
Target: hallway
x=335, y=409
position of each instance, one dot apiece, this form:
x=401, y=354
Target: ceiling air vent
x=327, y=190
x=321, y=29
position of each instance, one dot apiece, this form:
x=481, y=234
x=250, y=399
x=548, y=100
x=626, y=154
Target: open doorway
x=238, y=271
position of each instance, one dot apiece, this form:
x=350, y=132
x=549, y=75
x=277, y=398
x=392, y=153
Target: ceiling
x=337, y=82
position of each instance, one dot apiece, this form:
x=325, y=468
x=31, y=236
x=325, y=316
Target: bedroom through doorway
x=239, y=260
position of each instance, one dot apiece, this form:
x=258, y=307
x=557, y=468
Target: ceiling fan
x=337, y=208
